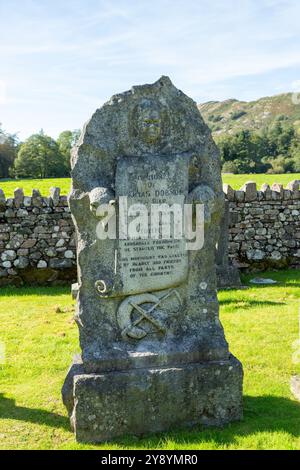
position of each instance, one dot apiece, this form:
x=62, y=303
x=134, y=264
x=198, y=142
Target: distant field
x=236, y=181
x=43, y=185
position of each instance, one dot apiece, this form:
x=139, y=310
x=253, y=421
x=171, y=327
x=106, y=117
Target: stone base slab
x=142, y=401
x=228, y=276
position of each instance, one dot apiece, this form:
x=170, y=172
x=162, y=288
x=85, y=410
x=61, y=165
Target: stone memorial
x=154, y=355
x=227, y=275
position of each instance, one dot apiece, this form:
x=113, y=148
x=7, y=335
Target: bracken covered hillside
x=233, y=115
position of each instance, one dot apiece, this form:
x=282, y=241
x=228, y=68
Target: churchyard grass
x=43, y=185
x=235, y=181
x=261, y=324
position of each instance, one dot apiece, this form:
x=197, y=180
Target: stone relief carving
x=150, y=125
x=146, y=306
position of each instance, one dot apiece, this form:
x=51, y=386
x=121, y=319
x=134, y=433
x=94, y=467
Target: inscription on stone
x=151, y=262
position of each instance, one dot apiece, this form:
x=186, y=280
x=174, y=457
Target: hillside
x=232, y=115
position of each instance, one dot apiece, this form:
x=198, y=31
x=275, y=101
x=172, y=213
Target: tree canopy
x=66, y=140
x=40, y=156
x=8, y=152
x=274, y=150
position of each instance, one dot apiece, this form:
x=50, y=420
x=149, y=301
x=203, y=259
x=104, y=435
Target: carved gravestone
x=154, y=355
x=227, y=274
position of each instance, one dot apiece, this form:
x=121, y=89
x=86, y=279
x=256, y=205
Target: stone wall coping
x=54, y=198
x=249, y=192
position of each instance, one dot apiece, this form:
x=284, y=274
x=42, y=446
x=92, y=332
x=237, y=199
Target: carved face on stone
x=149, y=123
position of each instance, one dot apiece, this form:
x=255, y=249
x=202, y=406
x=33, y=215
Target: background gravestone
x=154, y=355
x=227, y=275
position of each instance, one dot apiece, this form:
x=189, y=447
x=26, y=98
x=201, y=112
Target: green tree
x=8, y=152
x=245, y=149
x=296, y=162
x=66, y=140
x=275, y=149
x=39, y=157
x=230, y=167
x=281, y=164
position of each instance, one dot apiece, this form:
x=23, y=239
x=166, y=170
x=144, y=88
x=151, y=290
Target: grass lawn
x=236, y=181
x=9, y=185
x=261, y=323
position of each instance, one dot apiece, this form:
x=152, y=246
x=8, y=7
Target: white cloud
x=75, y=54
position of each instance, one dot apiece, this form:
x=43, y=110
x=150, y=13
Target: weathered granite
x=147, y=310
x=28, y=239
x=265, y=232
x=250, y=191
x=227, y=275
x=136, y=401
x=144, y=333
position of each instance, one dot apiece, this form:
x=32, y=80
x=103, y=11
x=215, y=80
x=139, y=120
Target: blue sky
x=60, y=60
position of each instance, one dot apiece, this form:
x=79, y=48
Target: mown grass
x=236, y=181
x=261, y=324
x=44, y=185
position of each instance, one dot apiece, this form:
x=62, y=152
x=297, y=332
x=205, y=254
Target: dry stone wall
x=37, y=243
x=264, y=226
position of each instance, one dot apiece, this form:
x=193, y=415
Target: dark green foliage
x=8, y=152
x=40, y=156
x=276, y=149
x=230, y=167
x=215, y=118
x=238, y=114
x=66, y=140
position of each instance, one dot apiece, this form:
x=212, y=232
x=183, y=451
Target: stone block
x=19, y=197
x=278, y=188
x=293, y=185
x=109, y=405
x=2, y=200
x=55, y=194
x=239, y=196
x=229, y=192
x=228, y=276
x=250, y=191
x=266, y=190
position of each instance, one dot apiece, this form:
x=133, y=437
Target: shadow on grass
x=9, y=410
x=261, y=414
